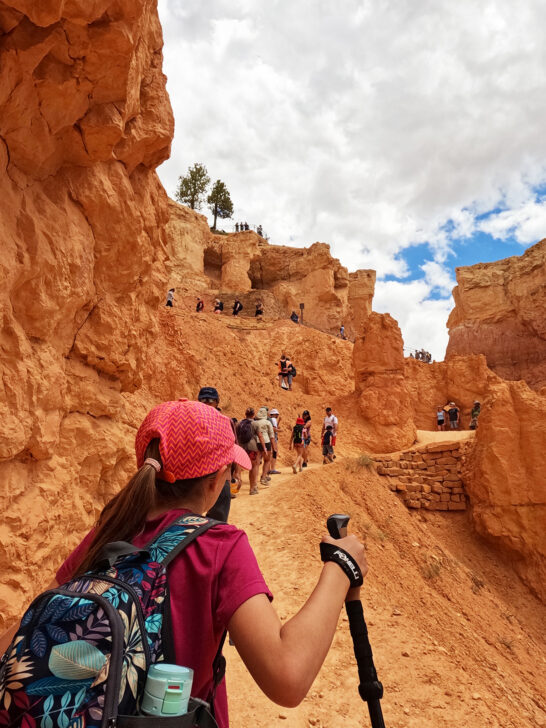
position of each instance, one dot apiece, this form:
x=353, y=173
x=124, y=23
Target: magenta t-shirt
x=208, y=582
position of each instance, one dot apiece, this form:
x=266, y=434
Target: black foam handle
x=370, y=689
x=337, y=525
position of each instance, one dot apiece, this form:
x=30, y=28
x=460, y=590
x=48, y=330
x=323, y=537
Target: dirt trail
x=458, y=640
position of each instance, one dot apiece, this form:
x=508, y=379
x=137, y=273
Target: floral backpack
x=82, y=651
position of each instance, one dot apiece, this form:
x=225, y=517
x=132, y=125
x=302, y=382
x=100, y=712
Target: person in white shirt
x=275, y=418
x=330, y=419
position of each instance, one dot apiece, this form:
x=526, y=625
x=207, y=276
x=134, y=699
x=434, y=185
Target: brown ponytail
x=124, y=516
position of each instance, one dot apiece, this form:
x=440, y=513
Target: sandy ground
x=458, y=640
x=426, y=436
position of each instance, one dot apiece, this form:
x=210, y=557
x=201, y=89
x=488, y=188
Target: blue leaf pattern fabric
x=70, y=639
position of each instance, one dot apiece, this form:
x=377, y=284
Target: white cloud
x=422, y=320
x=438, y=277
x=527, y=224
x=372, y=127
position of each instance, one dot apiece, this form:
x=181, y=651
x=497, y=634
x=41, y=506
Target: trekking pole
x=370, y=689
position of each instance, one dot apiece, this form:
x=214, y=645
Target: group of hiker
x=422, y=355
x=258, y=434
x=218, y=306
x=241, y=227
x=450, y=415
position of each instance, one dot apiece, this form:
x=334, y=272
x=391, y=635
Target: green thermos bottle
x=167, y=690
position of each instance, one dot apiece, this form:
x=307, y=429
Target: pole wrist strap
x=329, y=552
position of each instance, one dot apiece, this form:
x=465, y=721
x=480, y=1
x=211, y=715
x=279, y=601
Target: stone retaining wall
x=428, y=476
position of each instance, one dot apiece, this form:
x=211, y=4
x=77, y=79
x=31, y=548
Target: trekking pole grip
x=370, y=689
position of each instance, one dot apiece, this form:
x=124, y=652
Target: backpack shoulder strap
x=177, y=536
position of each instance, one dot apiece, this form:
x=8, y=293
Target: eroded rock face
x=84, y=120
x=381, y=387
x=240, y=263
x=460, y=379
x=500, y=311
x=505, y=477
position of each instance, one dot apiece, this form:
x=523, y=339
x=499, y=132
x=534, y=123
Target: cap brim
x=240, y=457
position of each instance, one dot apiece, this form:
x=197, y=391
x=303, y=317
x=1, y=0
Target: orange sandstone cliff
x=381, y=387
x=84, y=121
x=500, y=311
x=244, y=264
x=505, y=477
x=90, y=242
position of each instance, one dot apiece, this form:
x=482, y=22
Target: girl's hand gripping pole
x=370, y=689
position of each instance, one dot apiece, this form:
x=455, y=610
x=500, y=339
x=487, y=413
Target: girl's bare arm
x=285, y=659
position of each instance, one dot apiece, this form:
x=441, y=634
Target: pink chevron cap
x=194, y=440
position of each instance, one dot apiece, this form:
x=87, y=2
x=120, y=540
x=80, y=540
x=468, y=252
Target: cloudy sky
x=408, y=135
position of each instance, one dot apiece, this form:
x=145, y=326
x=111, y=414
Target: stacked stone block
x=428, y=476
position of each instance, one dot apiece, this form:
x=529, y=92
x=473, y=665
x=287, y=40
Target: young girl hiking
x=296, y=442
x=184, y=450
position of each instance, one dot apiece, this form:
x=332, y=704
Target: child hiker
x=184, y=450
x=327, y=449
x=296, y=442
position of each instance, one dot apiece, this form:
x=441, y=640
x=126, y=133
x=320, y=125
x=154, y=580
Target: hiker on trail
x=294, y=317
x=342, y=332
x=246, y=226
x=236, y=227
x=327, y=447
x=220, y=511
x=330, y=419
x=259, y=309
x=290, y=373
x=296, y=443
x=440, y=418
x=283, y=372
x=248, y=437
x=218, y=306
x=267, y=443
x=237, y=307
x=306, y=436
x=170, y=298
x=275, y=419
x=453, y=415
x=474, y=414
x=259, y=231
x=200, y=305
x=214, y=585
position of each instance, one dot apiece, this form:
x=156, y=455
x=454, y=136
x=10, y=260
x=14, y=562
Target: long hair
x=123, y=517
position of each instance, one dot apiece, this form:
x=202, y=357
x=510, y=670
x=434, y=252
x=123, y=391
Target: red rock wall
x=84, y=121
x=500, y=311
x=460, y=379
x=380, y=385
x=505, y=477
x=244, y=262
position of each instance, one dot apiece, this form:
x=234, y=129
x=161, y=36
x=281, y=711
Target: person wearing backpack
x=248, y=436
x=214, y=584
x=283, y=372
x=296, y=442
x=306, y=436
x=266, y=443
x=291, y=373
